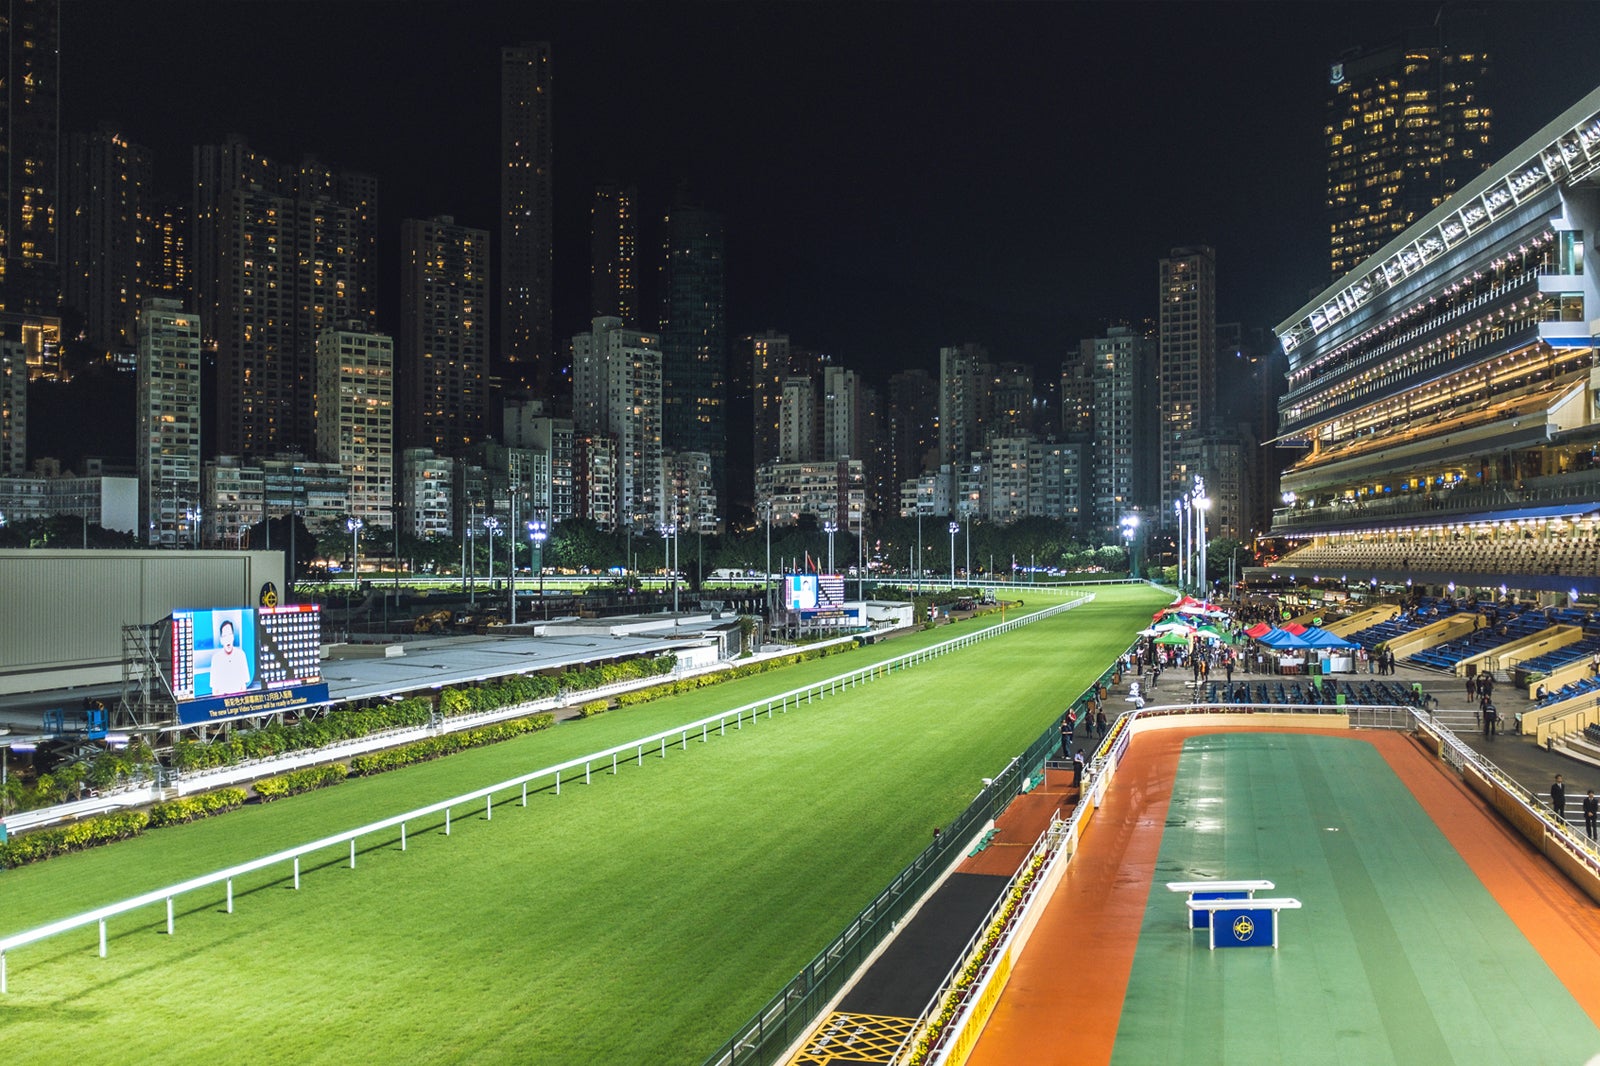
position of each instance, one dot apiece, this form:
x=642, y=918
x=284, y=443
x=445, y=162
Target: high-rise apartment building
x=168, y=445
x=13, y=405
x=616, y=393
x=1010, y=401
x=1407, y=125
x=424, y=500
x=797, y=421
x=1121, y=367
x=527, y=217
x=355, y=417
x=105, y=235
x=30, y=136
x=768, y=354
x=913, y=423
x=613, y=254
x=843, y=422
x=285, y=268
x=443, y=365
x=527, y=425
x=964, y=380
x=1187, y=333
x=694, y=340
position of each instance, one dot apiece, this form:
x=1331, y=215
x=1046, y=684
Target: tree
x=273, y=535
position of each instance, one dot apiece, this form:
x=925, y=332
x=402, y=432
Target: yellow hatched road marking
x=854, y=1038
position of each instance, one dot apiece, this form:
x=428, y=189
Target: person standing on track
x=1066, y=736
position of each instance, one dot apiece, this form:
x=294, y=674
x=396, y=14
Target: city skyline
x=929, y=179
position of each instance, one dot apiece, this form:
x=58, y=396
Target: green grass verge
x=639, y=919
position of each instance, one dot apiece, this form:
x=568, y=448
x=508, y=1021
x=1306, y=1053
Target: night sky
x=895, y=176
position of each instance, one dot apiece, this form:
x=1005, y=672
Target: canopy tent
x=1257, y=631
x=1280, y=639
x=1294, y=627
x=1173, y=640
x=1321, y=638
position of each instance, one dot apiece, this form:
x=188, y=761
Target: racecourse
x=641, y=918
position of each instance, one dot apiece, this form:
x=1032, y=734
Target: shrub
x=378, y=762
x=88, y=833
x=190, y=808
x=593, y=707
x=297, y=781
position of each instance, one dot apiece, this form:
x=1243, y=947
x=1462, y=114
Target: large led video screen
x=233, y=661
x=810, y=594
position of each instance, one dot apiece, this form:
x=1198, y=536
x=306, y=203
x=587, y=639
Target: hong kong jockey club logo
x=1243, y=927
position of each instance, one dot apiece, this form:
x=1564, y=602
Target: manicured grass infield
x=638, y=919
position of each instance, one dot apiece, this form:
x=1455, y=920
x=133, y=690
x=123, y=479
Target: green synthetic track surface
x=1400, y=954
x=639, y=919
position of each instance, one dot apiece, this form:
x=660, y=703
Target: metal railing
x=657, y=743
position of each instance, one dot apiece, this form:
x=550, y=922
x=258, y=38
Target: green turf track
x=1400, y=954
x=640, y=919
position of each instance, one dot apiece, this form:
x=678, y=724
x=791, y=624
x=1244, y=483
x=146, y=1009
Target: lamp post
x=354, y=525
x=966, y=522
x=537, y=532
x=1202, y=504
x=1179, y=506
x=1130, y=534
x=830, y=527
x=766, y=575
x=491, y=526
x=955, y=527
x=669, y=542
x=917, y=563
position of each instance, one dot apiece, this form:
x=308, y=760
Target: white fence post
x=402, y=836
x=230, y=905
x=352, y=853
x=103, y=936
x=169, y=915
x=297, y=873
x=447, y=821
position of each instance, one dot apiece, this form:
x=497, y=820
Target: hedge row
x=511, y=691
x=297, y=781
x=192, y=808
x=343, y=725
x=304, y=735
x=90, y=832
x=699, y=681
x=378, y=762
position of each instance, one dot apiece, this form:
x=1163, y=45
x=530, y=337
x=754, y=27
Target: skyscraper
x=105, y=235
x=30, y=135
x=1407, y=125
x=694, y=342
x=1122, y=370
x=613, y=251
x=355, y=416
x=616, y=397
x=13, y=403
x=168, y=445
x=527, y=219
x=443, y=366
x=1187, y=331
x=964, y=379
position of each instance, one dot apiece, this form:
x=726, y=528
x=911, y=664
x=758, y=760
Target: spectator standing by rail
x=1591, y=812
x=1558, y=798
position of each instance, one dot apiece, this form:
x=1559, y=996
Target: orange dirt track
x=1064, y=999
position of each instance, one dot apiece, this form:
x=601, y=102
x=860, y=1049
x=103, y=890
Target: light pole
x=1179, y=506
x=966, y=522
x=830, y=527
x=491, y=526
x=766, y=575
x=354, y=525
x=1201, y=506
x=669, y=541
x=1130, y=534
x=955, y=527
x=917, y=563
x=537, y=532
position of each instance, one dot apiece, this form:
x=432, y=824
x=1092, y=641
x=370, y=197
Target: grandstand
x=1443, y=392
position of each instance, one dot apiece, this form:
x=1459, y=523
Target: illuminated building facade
x=30, y=137
x=613, y=254
x=1444, y=393
x=527, y=216
x=168, y=446
x=444, y=335
x=1187, y=373
x=355, y=417
x=1407, y=125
